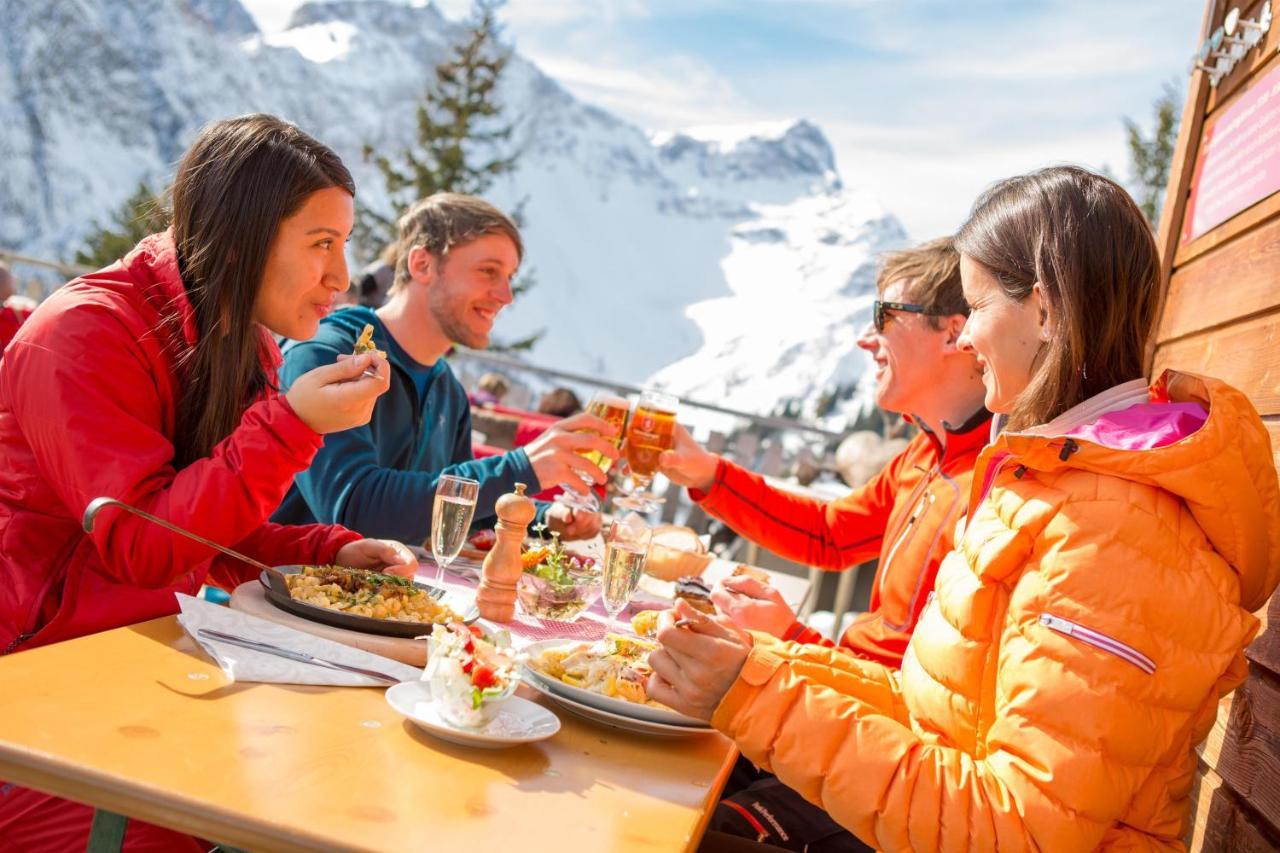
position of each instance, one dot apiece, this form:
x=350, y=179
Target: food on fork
x=697, y=593
x=364, y=343
x=366, y=593
x=645, y=623
x=745, y=571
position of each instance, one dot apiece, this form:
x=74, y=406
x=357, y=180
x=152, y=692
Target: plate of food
x=612, y=720
x=360, y=600
x=466, y=696
x=609, y=674
x=519, y=721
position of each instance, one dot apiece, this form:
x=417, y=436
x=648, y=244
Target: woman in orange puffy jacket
x=1097, y=604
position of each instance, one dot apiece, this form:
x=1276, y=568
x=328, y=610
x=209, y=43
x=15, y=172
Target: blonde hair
x=931, y=273
x=442, y=221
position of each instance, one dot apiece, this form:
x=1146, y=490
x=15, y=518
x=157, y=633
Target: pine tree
x=1152, y=157
x=143, y=213
x=457, y=121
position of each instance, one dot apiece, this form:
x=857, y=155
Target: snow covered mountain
x=728, y=264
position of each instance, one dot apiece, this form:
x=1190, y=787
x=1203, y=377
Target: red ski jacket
x=906, y=515
x=89, y=391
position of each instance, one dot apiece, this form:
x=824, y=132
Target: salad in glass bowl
x=556, y=584
x=470, y=675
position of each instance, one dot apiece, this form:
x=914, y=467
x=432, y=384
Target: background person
x=490, y=390
x=560, y=402
x=1095, y=609
x=151, y=382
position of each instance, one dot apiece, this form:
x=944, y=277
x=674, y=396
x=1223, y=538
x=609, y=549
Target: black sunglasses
x=878, y=309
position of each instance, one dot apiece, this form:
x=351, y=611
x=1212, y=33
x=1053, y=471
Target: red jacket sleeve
x=831, y=535
x=802, y=633
x=280, y=545
x=88, y=393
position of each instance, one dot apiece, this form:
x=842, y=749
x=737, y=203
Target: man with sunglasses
x=906, y=515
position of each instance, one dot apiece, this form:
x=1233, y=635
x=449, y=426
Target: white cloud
x=932, y=192
x=662, y=94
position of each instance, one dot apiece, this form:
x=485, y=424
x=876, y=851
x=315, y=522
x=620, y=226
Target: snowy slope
x=729, y=264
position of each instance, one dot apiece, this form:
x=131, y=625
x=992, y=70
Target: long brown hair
x=1084, y=240
x=236, y=183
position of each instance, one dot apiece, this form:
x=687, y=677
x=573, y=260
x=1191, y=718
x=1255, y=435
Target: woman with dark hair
x=153, y=382
x=1097, y=603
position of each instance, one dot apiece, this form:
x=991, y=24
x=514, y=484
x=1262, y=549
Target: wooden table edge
x=714, y=791
x=142, y=802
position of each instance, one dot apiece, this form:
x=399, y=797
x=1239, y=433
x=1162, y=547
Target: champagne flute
x=626, y=547
x=652, y=430
x=608, y=407
x=451, y=512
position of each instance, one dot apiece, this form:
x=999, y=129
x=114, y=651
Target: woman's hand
x=696, y=665
x=382, y=555
x=338, y=396
x=687, y=463
x=754, y=605
x=572, y=523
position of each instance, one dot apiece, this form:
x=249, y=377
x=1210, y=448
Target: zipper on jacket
x=17, y=641
x=1098, y=640
x=919, y=509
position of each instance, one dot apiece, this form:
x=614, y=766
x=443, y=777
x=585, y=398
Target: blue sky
x=925, y=101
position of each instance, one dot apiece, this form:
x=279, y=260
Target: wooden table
x=138, y=721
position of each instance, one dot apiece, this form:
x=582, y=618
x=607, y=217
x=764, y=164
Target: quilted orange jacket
x=1092, y=614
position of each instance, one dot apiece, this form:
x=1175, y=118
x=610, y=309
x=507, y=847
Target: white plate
x=617, y=721
x=517, y=721
x=618, y=707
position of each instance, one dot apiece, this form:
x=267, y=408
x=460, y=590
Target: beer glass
x=608, y=407
x=626, y=546
x=652, y=431
x=451, y=513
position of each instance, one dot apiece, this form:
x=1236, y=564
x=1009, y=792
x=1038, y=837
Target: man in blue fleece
x=456, y=258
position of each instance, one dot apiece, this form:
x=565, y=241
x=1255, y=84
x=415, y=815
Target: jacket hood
x=155, y=281
x=1197, y=438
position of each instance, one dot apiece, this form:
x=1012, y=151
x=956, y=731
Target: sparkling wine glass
x=608, y=407
x=451, y=513
x=625, y=548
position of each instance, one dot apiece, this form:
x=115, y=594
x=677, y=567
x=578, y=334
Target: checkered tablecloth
x=462, y=578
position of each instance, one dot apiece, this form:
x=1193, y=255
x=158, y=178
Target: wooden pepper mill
x=496, y=597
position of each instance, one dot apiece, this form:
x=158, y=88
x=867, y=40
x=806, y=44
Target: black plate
x=278, y=594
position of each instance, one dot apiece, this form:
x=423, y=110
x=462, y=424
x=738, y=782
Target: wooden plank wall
x=1221, y=317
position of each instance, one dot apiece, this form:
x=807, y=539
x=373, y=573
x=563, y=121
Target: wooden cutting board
x=251, y=598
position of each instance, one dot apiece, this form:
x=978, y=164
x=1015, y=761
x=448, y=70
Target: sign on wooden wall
x=1239, y=160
